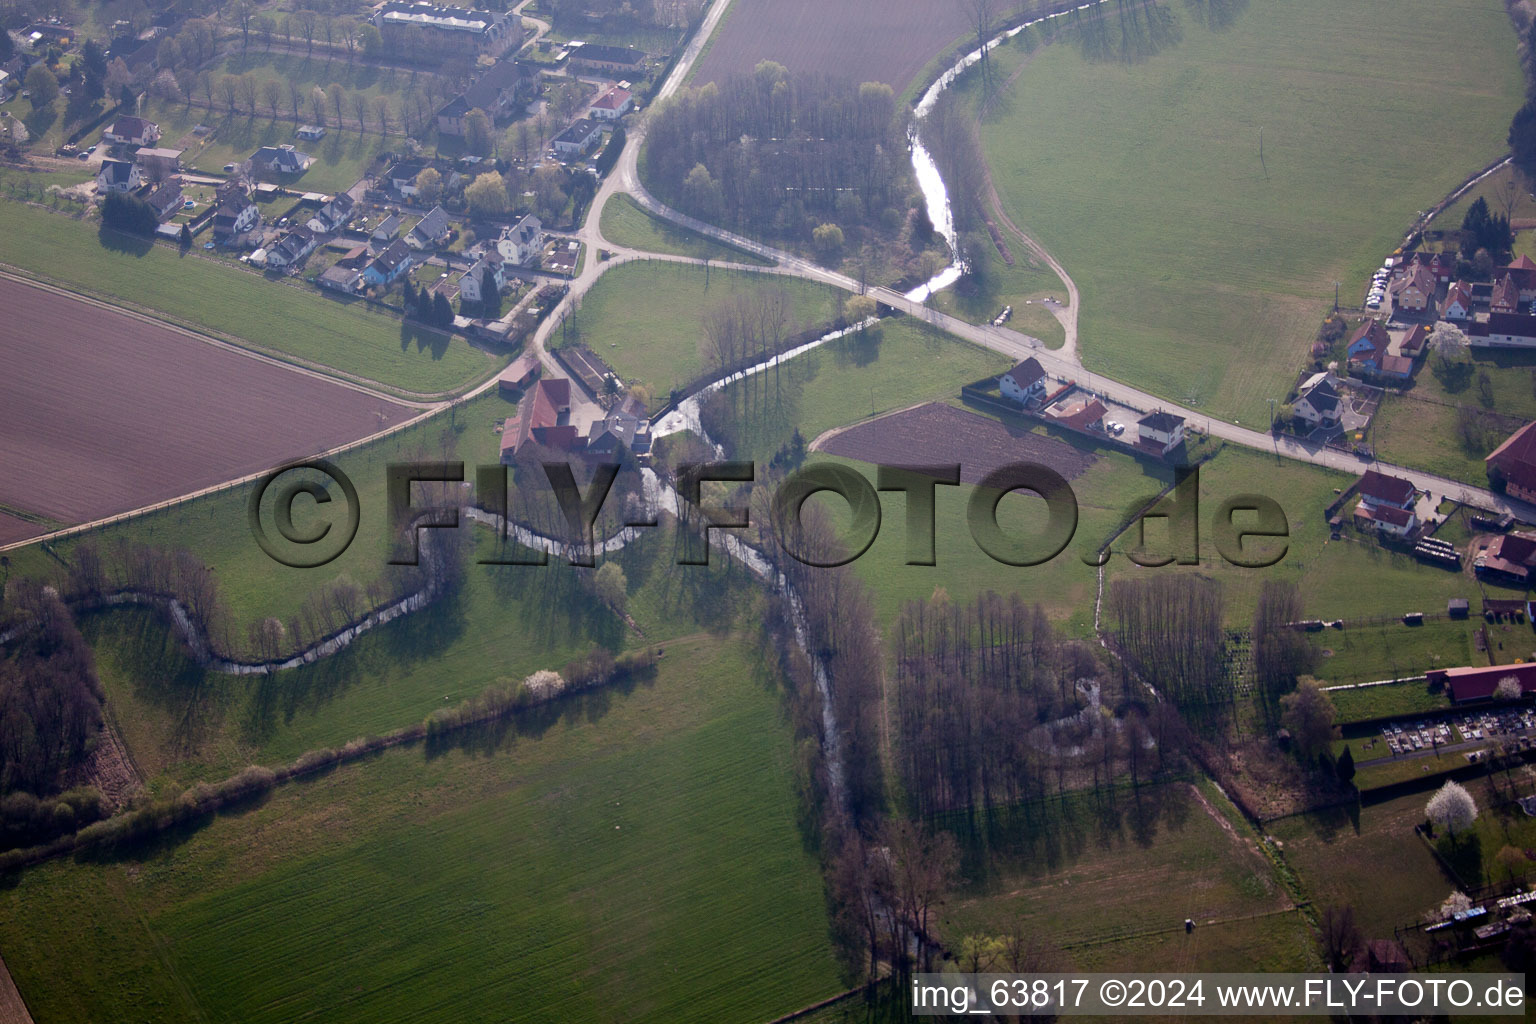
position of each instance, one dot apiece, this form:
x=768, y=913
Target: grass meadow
x=625, y=223
x=646, y=319
x=629, y=857
x=1204, y=269
x=292, y=322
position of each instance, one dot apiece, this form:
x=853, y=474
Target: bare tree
x=272, y=95
x=360, y=109
x=308, y=21
x=381, y=113
x=244, y=11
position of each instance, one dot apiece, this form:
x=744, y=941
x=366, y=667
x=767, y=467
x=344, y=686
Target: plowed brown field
x=102, y=412
x=938, y=434
x=864, y=40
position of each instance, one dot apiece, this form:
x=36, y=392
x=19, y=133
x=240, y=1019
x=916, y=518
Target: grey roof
x=395, y=254
x=1163, y=422
x=578, y=133
x=118, y=172
x=433, y=226
x=1323, y=397
x=283, y=159
x=389, y=227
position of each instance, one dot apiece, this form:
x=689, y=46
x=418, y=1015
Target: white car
x=1373, y=304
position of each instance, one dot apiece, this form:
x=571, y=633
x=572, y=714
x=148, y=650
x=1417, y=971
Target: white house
x=128, y=130
x=1458, y=302
x=234, y=213
x=431, y=231
x=490, y=265
x=118, y=176
x=522, y=241
x=1161, y=430
x=613, y=104
x=1024, y=383
x=577, y=139
x=298, y=243
x=1318, y=401
x=333, y=216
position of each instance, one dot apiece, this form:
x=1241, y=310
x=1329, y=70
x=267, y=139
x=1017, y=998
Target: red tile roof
x=1506, y=296
x=1381, y=487
x=1477, y=682
x=1516, y=457
x=1414, y=341
x=613, y=99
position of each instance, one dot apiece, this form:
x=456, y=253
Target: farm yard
x=106, y=412
x=1203, y=267
x=886, y=41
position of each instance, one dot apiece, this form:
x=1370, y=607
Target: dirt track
x=101, y=412
x=939, y=434
x=12, y=1009
x=864, y=40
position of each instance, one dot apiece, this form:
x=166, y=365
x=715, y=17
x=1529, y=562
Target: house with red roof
x=1478, y=682
x=1416, y=292
x=1367, y=345
x=1387, y=519
x=1514, y=462
x=613, y=104
x=1440, y=264
x=1506, y=296
x=1024, y=383
x=1502, y=330
x=1523, y=273
x=1378, y=488
x=543, y=418
x=1509, y=557
x=1415, y=342
x=1458, y=302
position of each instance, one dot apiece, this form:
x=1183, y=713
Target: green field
x=646, y=318
x=289, y=321
x=1204, y=271
x=625, y=223
x=624, y=857
x=981, y=296
x=1340, y=853
x=1381, y=701
x=1112, y=884
x=898, y=363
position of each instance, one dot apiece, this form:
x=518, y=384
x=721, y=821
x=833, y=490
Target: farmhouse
x=1379, y=489
x=431, y=231
x=1458, y=302
x=1506, y=296
x=282, y=159
x=334, y=215
x=1388, y=519
x=158, y=164
x=1514, y=462
x=618, y=60
x=1077, y=410
x=488, y=273
x=388, y=265
x=625, y=426
x=1319, y=403
x=118, y=176
x=1509, y=557
x=576, y=139
x=167, y=199
x=1024, y=383
x=1502, y=330
x=132, y=131
x=1367, y=345
x=1161, y=431
x=1416, y=292
x=291, y=249
x=613, y=104
x=543, y=418
x=1478, y=682
x=234, y=213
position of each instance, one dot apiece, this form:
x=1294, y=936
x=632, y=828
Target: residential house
x=1416, y=291
x=626, y=426
x=621, y=61
x=297, y=242
x=613, y=104
x=1024, y=383
x=310, y=132
x=1394, y=368
x=577, y=139
x=1318, y=402
x=1506, y=296
x=1387, y=519
x=334, y=215
x=1162, y=431
x=431, y=231
x=346, y=274
x=234, y=213
x=386, y=231
x=496, y=92
x=543, y=418
x=1502, y=330
x=118, y=176
x=402, y=176
x=1478, y=682
x=1367, y=345
x=282, y=159
x=1378, y=488
x=388, y=266
x=167, y=199
x=1458, y=302
x=489, y=270
x=422, y=31
x=1515, y=462
x=1077, y=410
x=1441, y=265
x=128, y=130
x=158, y=164
x=522, y=241
x=1523, y=272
